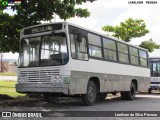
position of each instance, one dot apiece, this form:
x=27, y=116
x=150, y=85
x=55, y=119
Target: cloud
x=112, y=12
x=10, y=55
x=88, y=23
x=10, y=11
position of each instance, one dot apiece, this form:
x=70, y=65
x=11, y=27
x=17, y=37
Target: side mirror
x=79, y=37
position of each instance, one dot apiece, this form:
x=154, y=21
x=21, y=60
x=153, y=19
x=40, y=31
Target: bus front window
x=44, y=51
x=30, y=52
x=54, y=50
x=155, y=71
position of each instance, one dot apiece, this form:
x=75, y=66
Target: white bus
x=155, y=74
x=66, y=59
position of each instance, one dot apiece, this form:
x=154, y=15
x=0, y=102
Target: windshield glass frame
x=155, y=68
x=21, y=54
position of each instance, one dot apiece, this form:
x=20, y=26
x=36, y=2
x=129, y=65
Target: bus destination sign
x=44, y=28
x=41, y=29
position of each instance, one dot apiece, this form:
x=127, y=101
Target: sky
x=112, y=12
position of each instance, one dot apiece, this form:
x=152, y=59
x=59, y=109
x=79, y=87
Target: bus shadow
x=78, y=102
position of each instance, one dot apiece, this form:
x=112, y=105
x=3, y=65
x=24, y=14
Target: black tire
x=130, y=95
x=113, y=93
x=49, y=98
x=149, y=91
x=90, y=97
x=123, y=95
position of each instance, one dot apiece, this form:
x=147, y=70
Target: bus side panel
x=112, y=76
x=108, y=82
x=144, y=84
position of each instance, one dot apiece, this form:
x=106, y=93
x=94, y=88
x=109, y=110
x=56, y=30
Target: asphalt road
x=142, y=103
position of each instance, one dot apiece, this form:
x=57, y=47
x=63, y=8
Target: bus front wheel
x=90, y=97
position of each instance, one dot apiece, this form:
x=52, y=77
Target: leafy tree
x=149, y=45
x=9, y=35
x=132, y=28
x=32, y=12
x=127, y=30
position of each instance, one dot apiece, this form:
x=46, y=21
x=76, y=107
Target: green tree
x=32, y=12
x=127, y=30
x=149, y=45
x=132, y=28
x=9, y=35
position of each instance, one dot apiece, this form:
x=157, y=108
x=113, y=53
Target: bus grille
x=39, y=76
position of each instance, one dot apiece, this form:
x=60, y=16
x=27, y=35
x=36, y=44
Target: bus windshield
x=43, y=51
x=155, y=69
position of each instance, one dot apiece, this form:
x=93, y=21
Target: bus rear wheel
x=90, y=97
x=123, y=95
x=129, y=95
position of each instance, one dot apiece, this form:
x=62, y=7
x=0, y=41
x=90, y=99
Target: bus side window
x=95, y=47
x=78, y=49
x=143, y=58
x=82, y=49
x=73, y=46
x=123, y=52
x=109, y=47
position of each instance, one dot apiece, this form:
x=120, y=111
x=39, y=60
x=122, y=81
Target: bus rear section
x=155, y=74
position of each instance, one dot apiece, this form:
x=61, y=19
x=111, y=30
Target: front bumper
x=155, y=86
x=42, y=88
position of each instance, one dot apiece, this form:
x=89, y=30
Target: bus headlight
x=55, y=79
x=21, y=80
x=60, y=79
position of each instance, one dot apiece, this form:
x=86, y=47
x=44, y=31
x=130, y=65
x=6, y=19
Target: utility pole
x=54, y=17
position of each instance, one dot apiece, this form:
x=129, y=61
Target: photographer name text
x=142, y=2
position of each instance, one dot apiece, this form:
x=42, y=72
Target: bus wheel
x=123, y=95
x=149, y=91
x=90, y=97
x=130, y=95
x=49, y=98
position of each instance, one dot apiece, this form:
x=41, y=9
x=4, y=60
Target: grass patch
x=8, y=74
x=8, y=88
